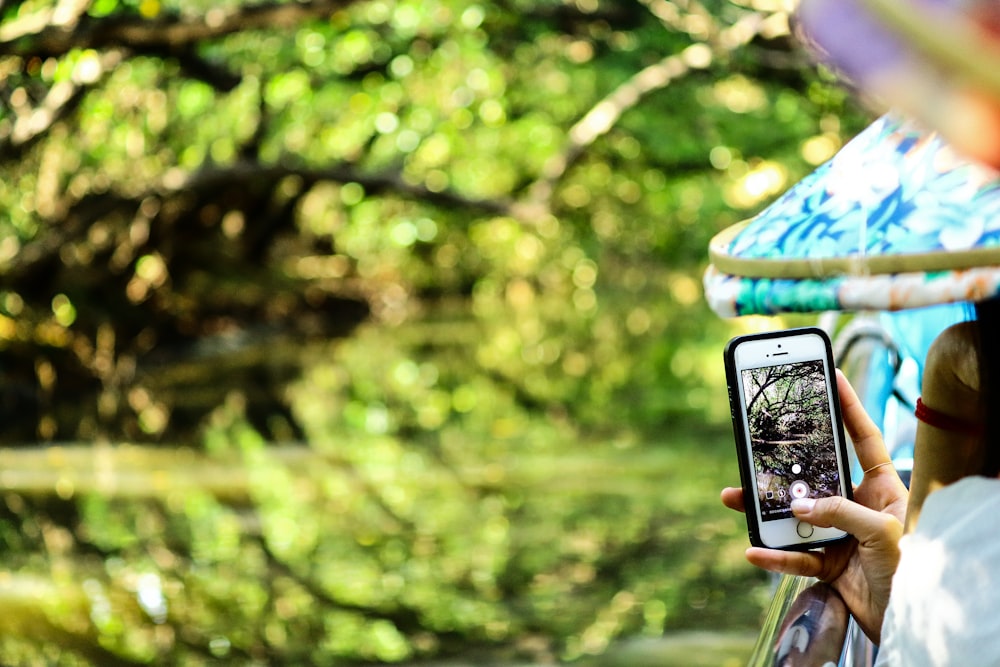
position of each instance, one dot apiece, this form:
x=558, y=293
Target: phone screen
x=791, y=431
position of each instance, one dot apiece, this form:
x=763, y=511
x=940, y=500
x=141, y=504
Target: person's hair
x=988, y=321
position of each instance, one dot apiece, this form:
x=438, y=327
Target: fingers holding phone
x=865, y=435
x=860, y=570
x=867, y=525
x=733, y=498
x=880, y=488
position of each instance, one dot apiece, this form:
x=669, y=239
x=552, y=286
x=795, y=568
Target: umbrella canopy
x=897, y=219
x=936, y=60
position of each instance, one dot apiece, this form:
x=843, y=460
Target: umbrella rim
x=735, y=296
x=800, y=268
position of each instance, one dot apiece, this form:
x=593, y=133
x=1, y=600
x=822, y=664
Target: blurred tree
x=224, y=173
x=513, y=199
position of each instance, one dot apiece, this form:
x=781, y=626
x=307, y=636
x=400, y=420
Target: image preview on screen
x=791, y=433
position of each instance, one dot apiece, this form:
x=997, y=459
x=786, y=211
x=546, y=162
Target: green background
x=342, y=332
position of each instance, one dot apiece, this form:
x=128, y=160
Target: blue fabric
x=892, y=190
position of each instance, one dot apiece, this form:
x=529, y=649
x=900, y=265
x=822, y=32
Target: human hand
x=860, y=568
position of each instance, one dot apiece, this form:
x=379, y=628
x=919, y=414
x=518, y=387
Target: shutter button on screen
x=799, y=489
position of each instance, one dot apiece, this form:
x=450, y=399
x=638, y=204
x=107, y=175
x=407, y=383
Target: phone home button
x=805, y=529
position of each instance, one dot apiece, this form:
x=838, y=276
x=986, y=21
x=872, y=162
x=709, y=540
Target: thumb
x=865, y=524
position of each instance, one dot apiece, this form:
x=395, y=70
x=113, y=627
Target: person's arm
x=948, y=444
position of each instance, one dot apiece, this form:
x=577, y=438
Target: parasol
x=896, y=219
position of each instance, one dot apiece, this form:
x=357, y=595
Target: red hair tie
x=940, y=420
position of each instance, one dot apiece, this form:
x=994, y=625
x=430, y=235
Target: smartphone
x=789, y=433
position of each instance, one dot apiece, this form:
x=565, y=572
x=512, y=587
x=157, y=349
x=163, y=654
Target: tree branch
x=39, y=35
x=247, y=175
x=33, y=124
x=606, y=113
x=248, y=171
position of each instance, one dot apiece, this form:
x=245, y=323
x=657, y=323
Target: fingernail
x=803, y=505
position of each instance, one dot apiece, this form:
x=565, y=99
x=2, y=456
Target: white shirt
x=945, y=603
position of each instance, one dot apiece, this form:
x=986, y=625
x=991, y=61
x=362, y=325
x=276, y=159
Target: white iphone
x=789, y=434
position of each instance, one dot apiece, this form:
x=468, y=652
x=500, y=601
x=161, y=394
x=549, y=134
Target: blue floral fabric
x=893, y=190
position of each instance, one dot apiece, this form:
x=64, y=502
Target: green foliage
x=369, y=546
x=497, y=211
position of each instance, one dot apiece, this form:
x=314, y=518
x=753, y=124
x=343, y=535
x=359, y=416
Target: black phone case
x=747, y=476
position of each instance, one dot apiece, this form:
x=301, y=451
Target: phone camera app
x=791, y=435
